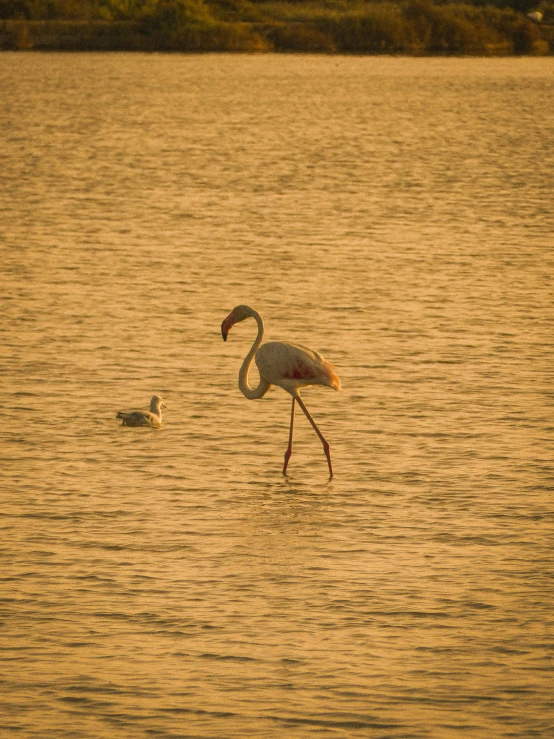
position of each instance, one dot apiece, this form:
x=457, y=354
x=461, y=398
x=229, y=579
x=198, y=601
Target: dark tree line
x=479, y=27
x=141, y=9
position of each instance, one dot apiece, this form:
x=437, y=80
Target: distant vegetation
x=482, y=27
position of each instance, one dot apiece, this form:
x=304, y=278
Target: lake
x=396, y=215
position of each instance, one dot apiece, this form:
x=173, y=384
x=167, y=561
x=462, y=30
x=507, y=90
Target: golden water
x=397, y=216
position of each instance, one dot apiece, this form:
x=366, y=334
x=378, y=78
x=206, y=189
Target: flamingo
x=290, y=366
x=153, y=417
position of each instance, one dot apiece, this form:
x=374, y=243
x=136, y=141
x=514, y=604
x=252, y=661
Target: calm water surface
x=396, y=215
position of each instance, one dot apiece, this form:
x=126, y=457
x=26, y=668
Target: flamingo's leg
x=289, y=448
x=318, y=432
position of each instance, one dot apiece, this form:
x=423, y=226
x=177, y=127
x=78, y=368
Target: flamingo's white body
x=290, y=366
x=153, y=417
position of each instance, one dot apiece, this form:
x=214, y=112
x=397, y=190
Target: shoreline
x=520, y=37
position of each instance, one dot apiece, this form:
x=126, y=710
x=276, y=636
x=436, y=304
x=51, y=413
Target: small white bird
x=536, y=16
x=290, y=366
x=153, y=417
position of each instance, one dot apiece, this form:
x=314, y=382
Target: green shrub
x=14, y=9
x=376, y=28
x=444, y=30
x=170, y=18
x=297, y=36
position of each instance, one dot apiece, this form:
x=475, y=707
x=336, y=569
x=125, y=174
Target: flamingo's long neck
x=264, y=385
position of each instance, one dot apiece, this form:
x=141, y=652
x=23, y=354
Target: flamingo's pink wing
x=280, y=361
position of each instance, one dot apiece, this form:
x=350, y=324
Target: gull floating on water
x=153, y=417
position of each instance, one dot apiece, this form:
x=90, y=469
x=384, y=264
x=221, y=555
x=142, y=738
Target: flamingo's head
x=238, y=314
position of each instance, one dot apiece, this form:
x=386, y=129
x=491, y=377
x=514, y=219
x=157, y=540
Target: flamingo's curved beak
x=226, y=327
